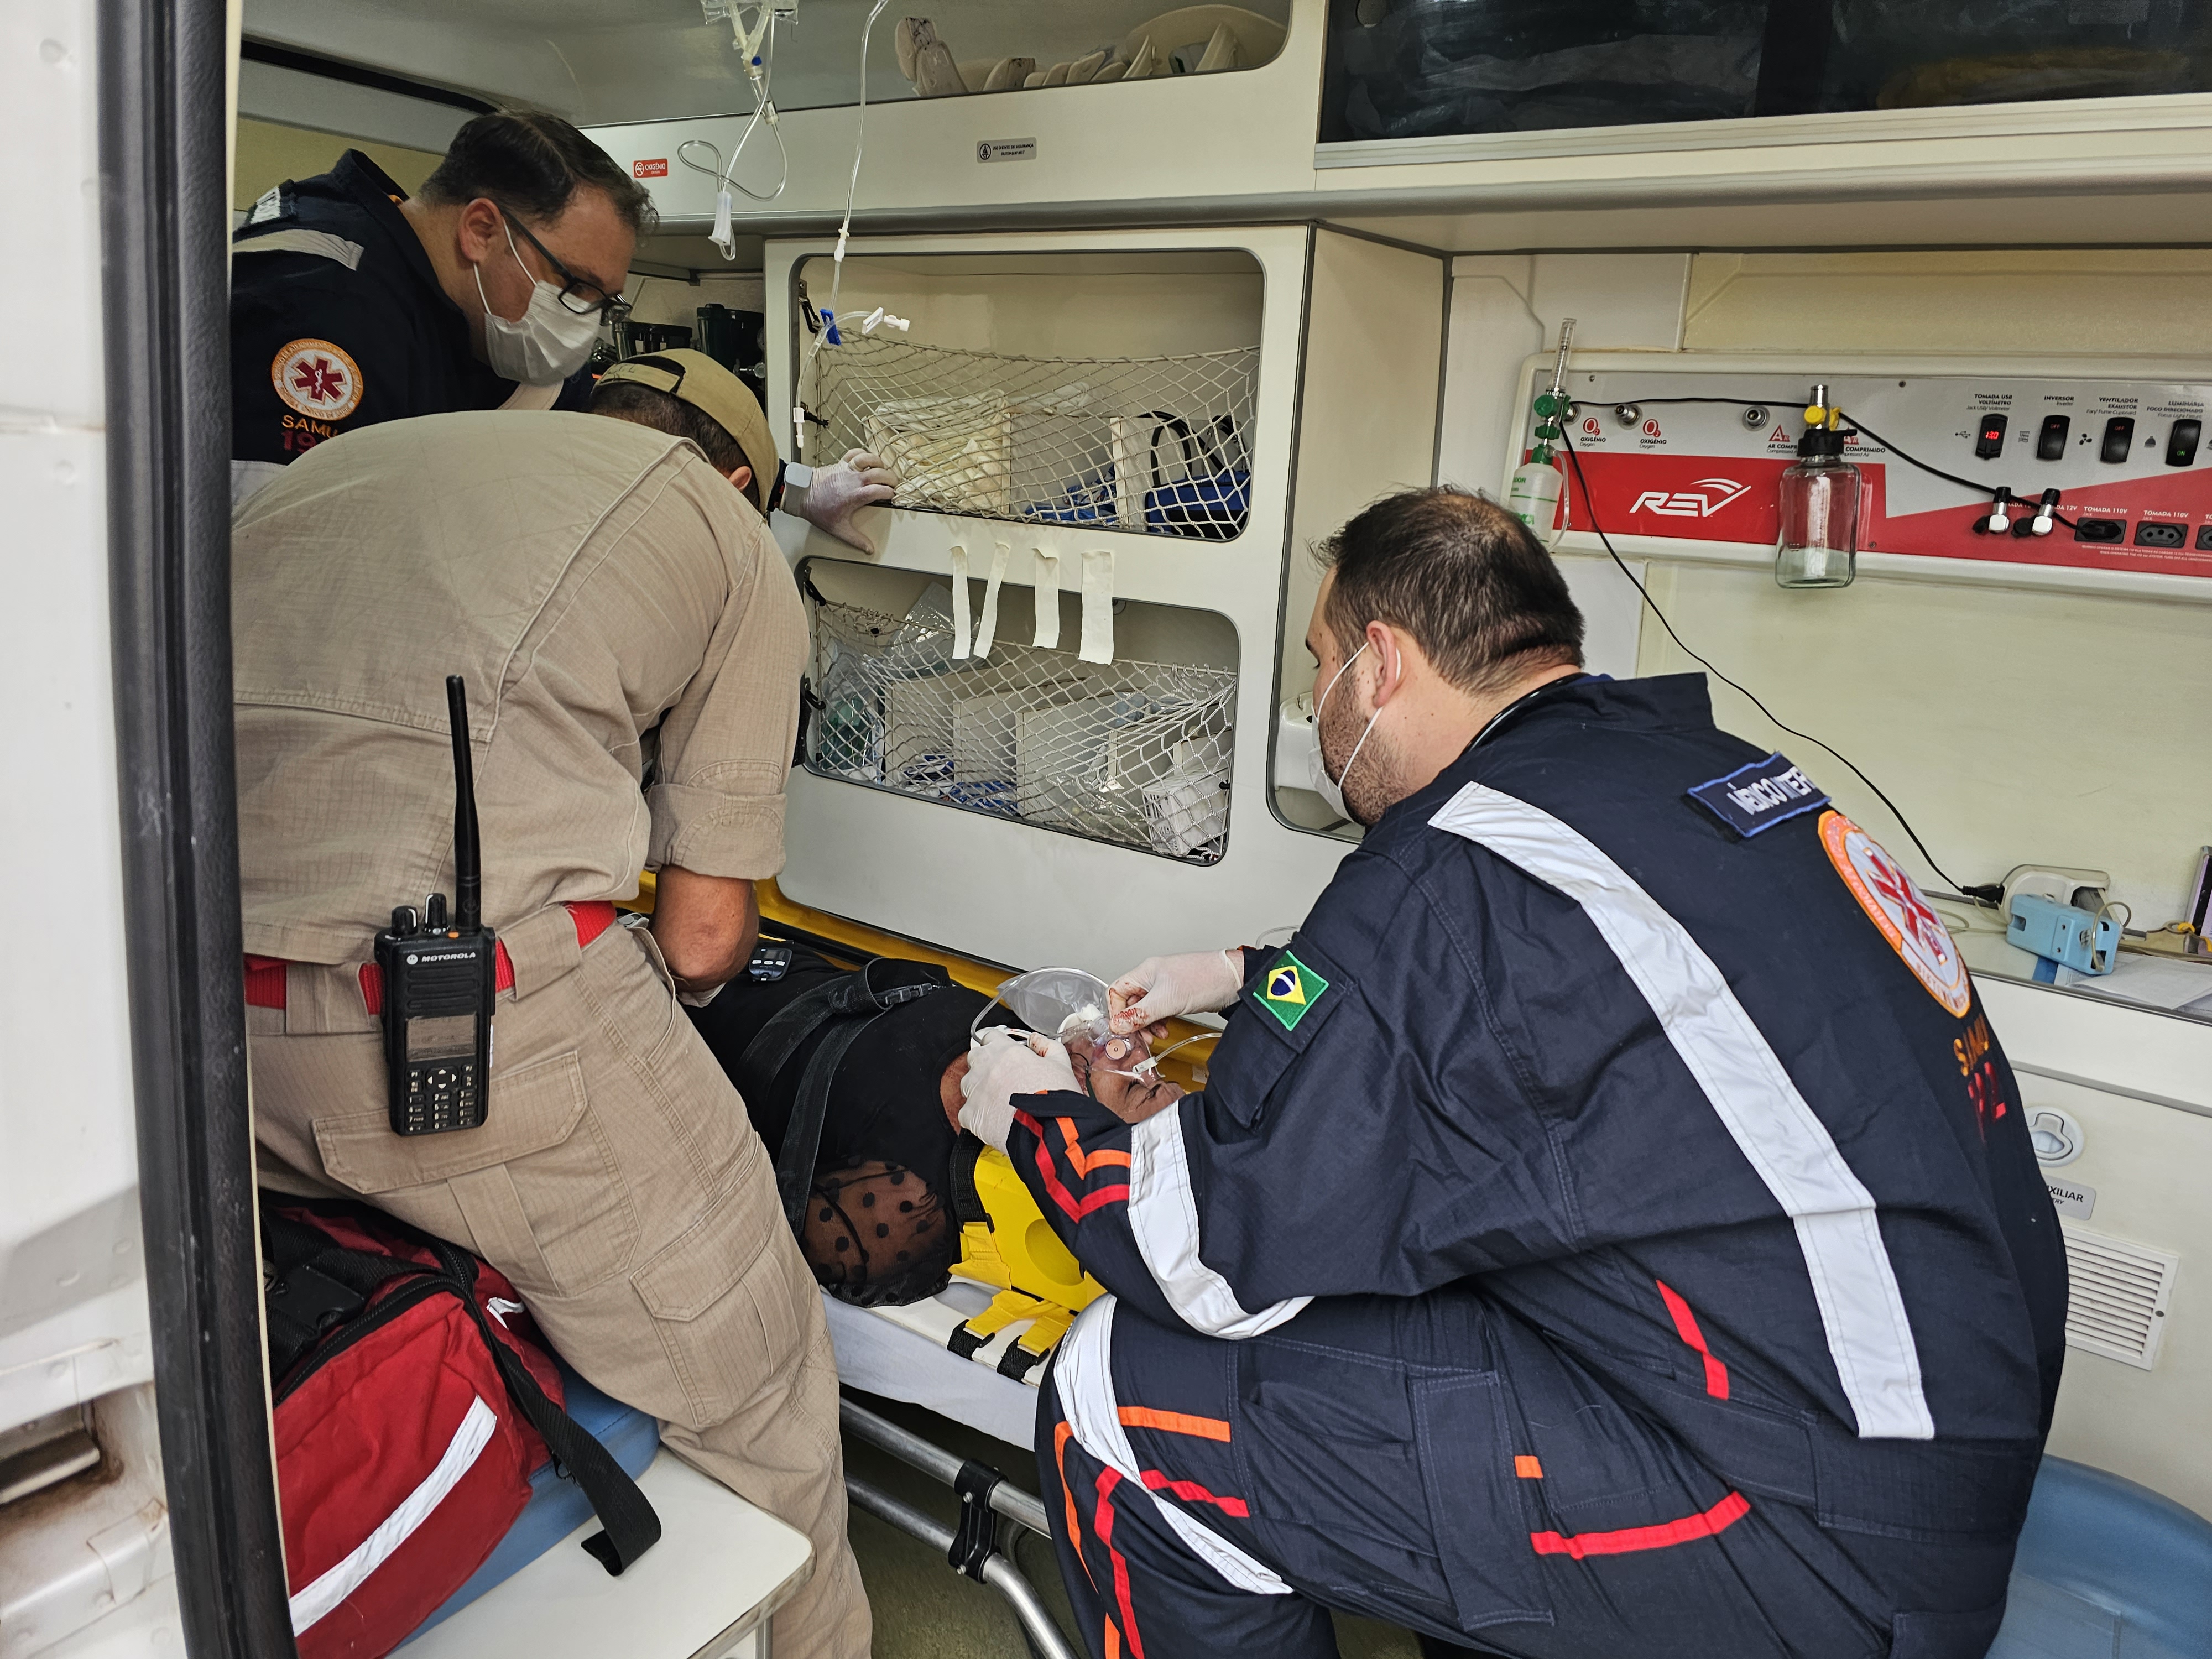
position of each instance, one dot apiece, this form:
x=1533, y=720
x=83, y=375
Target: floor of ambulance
x=924, y=1610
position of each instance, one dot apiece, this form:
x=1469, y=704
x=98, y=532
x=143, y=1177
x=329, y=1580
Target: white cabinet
x=1033, y=892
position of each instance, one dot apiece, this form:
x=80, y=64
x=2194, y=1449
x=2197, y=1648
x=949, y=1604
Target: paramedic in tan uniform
x=600, y=586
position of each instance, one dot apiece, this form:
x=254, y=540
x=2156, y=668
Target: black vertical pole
x=164, y=238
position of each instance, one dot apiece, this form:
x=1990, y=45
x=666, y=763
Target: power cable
x=1988, y=895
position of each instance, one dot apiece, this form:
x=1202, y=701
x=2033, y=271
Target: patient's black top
x=879, y=1226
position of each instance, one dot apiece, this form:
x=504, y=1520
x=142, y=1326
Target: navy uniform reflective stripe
x=1861, y=1310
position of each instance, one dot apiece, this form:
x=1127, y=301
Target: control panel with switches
x=2126, y=456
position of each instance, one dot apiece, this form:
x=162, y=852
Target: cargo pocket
x=537, y=1186
x=730, y=1309
x=1939, y=1635
x=1479, y=1516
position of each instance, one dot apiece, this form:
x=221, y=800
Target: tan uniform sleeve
x=725, y=748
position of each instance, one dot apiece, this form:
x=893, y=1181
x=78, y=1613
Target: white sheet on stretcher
x=900, y=1354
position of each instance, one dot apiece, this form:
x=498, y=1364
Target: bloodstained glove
x=1161, y=988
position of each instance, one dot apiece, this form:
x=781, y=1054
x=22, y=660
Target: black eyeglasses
x=579, y=294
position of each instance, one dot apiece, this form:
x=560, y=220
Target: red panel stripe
x=1714, y=1521
x=1103, y=1523
x=1191, y=1492
x=1685, y=1327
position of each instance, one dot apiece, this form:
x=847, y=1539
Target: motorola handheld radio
x=440, y=977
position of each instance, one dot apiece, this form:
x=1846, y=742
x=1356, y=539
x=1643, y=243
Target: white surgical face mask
x=1332, y=789
x=544, y=346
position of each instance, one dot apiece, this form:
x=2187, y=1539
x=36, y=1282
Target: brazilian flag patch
x=1290, y=990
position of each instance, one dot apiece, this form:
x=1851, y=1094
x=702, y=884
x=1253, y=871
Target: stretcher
x=972, y=1354
x=1039, y=1286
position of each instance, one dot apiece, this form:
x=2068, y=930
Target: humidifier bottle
x=1820, y=503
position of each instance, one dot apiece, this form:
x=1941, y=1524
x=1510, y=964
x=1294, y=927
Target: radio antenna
x=468, y=864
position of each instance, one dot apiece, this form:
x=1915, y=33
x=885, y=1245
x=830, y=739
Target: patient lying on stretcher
x=880, y=1225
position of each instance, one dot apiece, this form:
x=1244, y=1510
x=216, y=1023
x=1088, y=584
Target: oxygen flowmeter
x=1537, y=493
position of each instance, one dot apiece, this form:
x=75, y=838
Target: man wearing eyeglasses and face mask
x=353, y=303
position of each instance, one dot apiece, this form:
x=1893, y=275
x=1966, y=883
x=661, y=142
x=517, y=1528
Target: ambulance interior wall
x=2013, y=726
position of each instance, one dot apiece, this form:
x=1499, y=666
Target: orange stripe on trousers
x=1203, y=1428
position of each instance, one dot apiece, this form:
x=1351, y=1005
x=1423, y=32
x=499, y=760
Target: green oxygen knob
x=1548, y=403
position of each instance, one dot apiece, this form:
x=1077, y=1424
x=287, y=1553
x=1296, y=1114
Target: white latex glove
x=1161, y=988
x=1002, y=1064
x=838, y=492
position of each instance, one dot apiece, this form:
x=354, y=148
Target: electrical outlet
x=2080, y=889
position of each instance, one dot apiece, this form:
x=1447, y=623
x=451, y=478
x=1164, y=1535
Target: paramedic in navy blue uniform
x=1609, y=1226
x=352, y=303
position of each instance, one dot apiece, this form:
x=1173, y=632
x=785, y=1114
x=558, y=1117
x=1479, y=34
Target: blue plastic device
x=2063, y=936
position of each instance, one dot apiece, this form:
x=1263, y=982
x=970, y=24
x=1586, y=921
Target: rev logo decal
x=1290, y=990
x=1700, y=500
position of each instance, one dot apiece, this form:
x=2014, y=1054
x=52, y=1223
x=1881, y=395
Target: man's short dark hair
x=1478, y=592
x=533, y=164
x=630, y=401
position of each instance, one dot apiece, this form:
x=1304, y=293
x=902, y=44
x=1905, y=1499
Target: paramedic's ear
x=742, y=475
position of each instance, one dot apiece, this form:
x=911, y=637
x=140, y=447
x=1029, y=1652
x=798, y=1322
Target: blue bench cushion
x=2107, y=1570
x=557, y=1507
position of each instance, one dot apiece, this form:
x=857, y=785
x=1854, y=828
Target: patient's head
x=879, y=1223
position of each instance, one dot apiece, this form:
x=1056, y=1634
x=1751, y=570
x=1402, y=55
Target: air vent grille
x=2120, y=1292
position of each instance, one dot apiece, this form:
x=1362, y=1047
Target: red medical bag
x=413, y=1399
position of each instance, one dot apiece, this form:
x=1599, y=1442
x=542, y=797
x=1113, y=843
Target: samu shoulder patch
x=316, y=379
x=1291, y=990
x=1894, y=906
x=1758, y=796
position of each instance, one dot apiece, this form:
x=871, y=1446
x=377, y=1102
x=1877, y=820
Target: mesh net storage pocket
x=1154, y=444
x=1136, y=753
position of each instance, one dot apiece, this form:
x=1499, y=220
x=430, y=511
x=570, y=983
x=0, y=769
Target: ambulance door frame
x=165, y=231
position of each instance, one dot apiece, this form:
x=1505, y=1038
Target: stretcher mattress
x=901, y=1354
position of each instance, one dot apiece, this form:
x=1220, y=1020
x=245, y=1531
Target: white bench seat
x=705, y=1590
